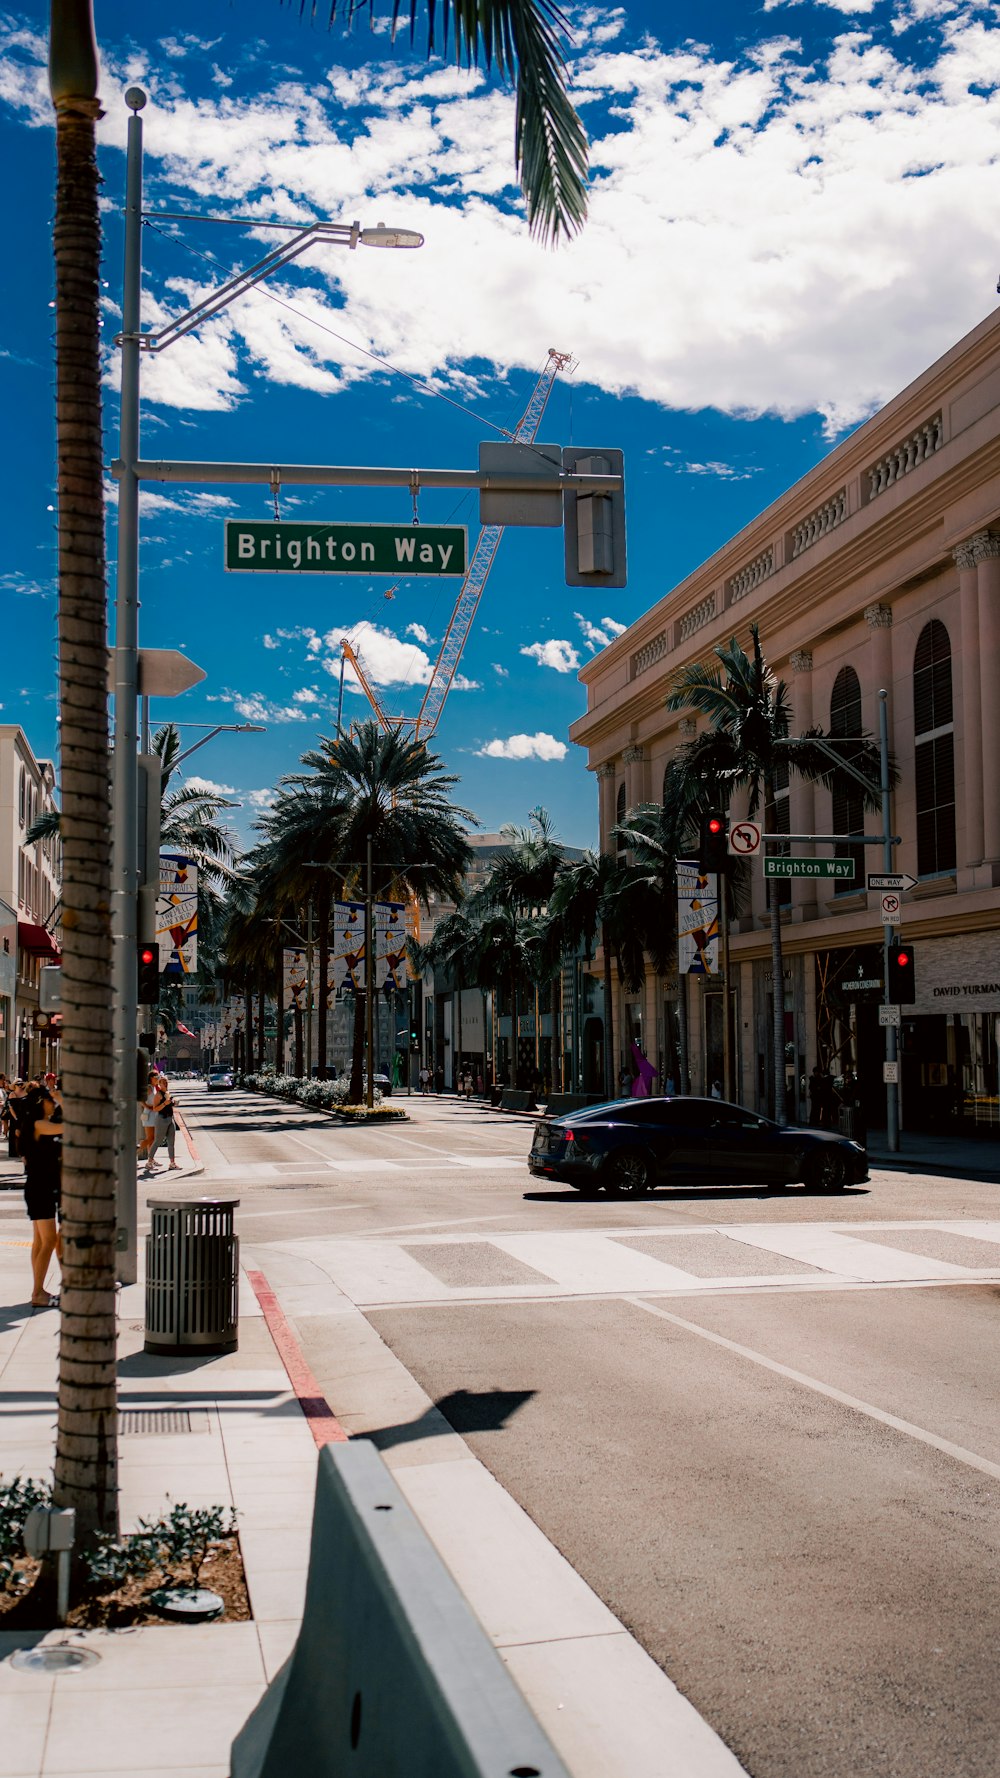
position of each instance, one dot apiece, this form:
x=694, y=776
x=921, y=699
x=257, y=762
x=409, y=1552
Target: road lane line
x=959, y=1452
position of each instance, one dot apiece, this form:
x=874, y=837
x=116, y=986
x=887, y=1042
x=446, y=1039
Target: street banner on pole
x=347, y=953
x=294, y=976
x=390, y=944
x=697, y=921
x=177, y=915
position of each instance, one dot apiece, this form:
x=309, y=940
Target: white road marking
x=590, y=1262
x=838, y=1251
x=971, y=1458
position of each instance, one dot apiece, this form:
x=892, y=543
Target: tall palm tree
x=748, y=744
x=388, y=799
x=86, y=1463
x=595, y=896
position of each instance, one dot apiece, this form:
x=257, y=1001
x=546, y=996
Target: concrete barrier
x=391, y=1673
x=515, y=1099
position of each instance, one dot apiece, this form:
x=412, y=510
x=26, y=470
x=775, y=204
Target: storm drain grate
x=161, y=1422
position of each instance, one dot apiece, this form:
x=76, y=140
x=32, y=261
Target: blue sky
x=794, y=210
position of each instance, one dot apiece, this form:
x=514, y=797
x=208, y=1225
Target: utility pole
x=891, y=1044
x=125, y=801
x=369, y=977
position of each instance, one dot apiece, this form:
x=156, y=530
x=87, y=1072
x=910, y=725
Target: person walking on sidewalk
x=41, y=1139
x=164, y=1127
x=147, y=1118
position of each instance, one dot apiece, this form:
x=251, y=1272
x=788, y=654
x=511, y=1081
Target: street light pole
x=369, y=978
x=891, y=1048
x=125, y=804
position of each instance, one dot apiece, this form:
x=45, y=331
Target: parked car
x=219, y=1079
x=630, y=1147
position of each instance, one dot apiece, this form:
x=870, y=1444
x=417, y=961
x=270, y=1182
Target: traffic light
x=148, y=993
x=594, y=524
x=901, y=979
x=414, y=1041
x=713, y=841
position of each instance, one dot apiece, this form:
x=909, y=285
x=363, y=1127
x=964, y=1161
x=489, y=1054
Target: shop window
x=848, y=802
x=620, y=813
x=934, y=751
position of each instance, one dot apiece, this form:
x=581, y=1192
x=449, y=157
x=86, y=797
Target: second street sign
x=270, y=547
x=809, y=867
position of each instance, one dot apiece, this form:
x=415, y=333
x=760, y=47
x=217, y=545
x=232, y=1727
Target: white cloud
x=539, y=746
x=723, y=472
x=253, y=706
x=418, y=633
x=23, y=586
x=562, y=657
x=208, y=786
x=269, y=642
x=600, y=634
x=847, y=6
x=792, y=191
x=262, y=799
x=501, y=672
x=308, y=695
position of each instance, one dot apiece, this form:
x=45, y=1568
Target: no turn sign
x=892, y=912
x=744, y=839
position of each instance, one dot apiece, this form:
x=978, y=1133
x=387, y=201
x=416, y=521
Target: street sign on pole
x=275, y=547
x=892, y=911
x=890, y=1073
x=162, y=672
x=891, y=880
x=888, y=1015
x=809, y=867
x=744, y=838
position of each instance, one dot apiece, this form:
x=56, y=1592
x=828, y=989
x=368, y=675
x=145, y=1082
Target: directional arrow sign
x=163, y=672
x=891, y=880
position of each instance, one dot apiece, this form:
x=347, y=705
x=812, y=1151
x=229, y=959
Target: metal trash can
x=847, y=1121
x=192, y=1276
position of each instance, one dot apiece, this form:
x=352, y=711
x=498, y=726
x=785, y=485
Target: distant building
x=879, y=569
x=29, y=894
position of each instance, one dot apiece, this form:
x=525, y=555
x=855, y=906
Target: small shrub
x=109, y=1562
x=186, y=1535
x=17, y=1497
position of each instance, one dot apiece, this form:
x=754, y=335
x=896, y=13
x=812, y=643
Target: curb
x=320, y=1417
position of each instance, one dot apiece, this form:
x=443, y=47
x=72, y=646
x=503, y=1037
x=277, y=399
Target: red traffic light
x=146, y=955
x=903, y=959
x=714, y=824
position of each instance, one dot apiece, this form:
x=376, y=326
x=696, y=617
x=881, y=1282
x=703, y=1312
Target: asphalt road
x=762, y=1426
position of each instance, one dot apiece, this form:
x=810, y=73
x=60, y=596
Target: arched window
x=620, y=813
x=848, y=803
x=934, y=752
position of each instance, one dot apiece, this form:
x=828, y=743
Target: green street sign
x=809, y=867
x=270, y=547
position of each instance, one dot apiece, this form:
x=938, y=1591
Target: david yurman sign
x=270, y=547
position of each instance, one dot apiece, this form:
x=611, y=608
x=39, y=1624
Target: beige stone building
x=29, y=893
x=881, y=568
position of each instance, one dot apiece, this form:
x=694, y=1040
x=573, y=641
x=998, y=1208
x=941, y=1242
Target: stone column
x=970, y=722
x=802, y=794
x=986, y=549
x=635, y=787
x=606, y=801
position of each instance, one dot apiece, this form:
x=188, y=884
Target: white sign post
x=892, y=911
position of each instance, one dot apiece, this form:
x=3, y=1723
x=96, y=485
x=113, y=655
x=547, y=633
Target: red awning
x=36, y=940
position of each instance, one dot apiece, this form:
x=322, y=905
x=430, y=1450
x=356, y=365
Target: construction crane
x=422, y=726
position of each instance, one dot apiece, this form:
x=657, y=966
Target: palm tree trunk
x=324, y=899
x=298, y=1062
x=609, y=1019
x=86, y=1458
x=260, y=1028
x=247, y=1028
x=279, y=1023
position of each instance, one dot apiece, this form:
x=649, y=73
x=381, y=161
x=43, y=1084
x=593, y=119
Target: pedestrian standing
x=15, y=1114
x=41, y=1136
x=147, y=1121
x=164, y=1127
x=425, y=1080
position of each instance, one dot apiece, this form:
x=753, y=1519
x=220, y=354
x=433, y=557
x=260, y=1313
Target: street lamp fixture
x=222, y=728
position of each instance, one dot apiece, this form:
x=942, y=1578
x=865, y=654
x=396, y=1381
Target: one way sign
x=890, y=880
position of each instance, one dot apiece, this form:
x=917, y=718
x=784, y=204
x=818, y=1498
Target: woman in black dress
x=41, y=1144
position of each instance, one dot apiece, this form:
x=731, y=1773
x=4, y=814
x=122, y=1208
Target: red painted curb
x=185, y=1132
x=323, y=1423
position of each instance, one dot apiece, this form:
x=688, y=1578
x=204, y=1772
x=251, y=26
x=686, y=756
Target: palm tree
x=387, y=801
x=746, y=748
x=597, y=896
x=86, y=1462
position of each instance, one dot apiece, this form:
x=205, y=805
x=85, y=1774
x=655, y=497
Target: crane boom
x=483, y=557
x=422, y=725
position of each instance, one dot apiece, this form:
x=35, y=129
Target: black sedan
x=630, y=1147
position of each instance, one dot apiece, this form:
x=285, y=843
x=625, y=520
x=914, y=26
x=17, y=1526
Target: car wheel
x=628, y=1174
x=826, y=1172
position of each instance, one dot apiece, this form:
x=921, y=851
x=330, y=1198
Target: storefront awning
x=36, y=940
